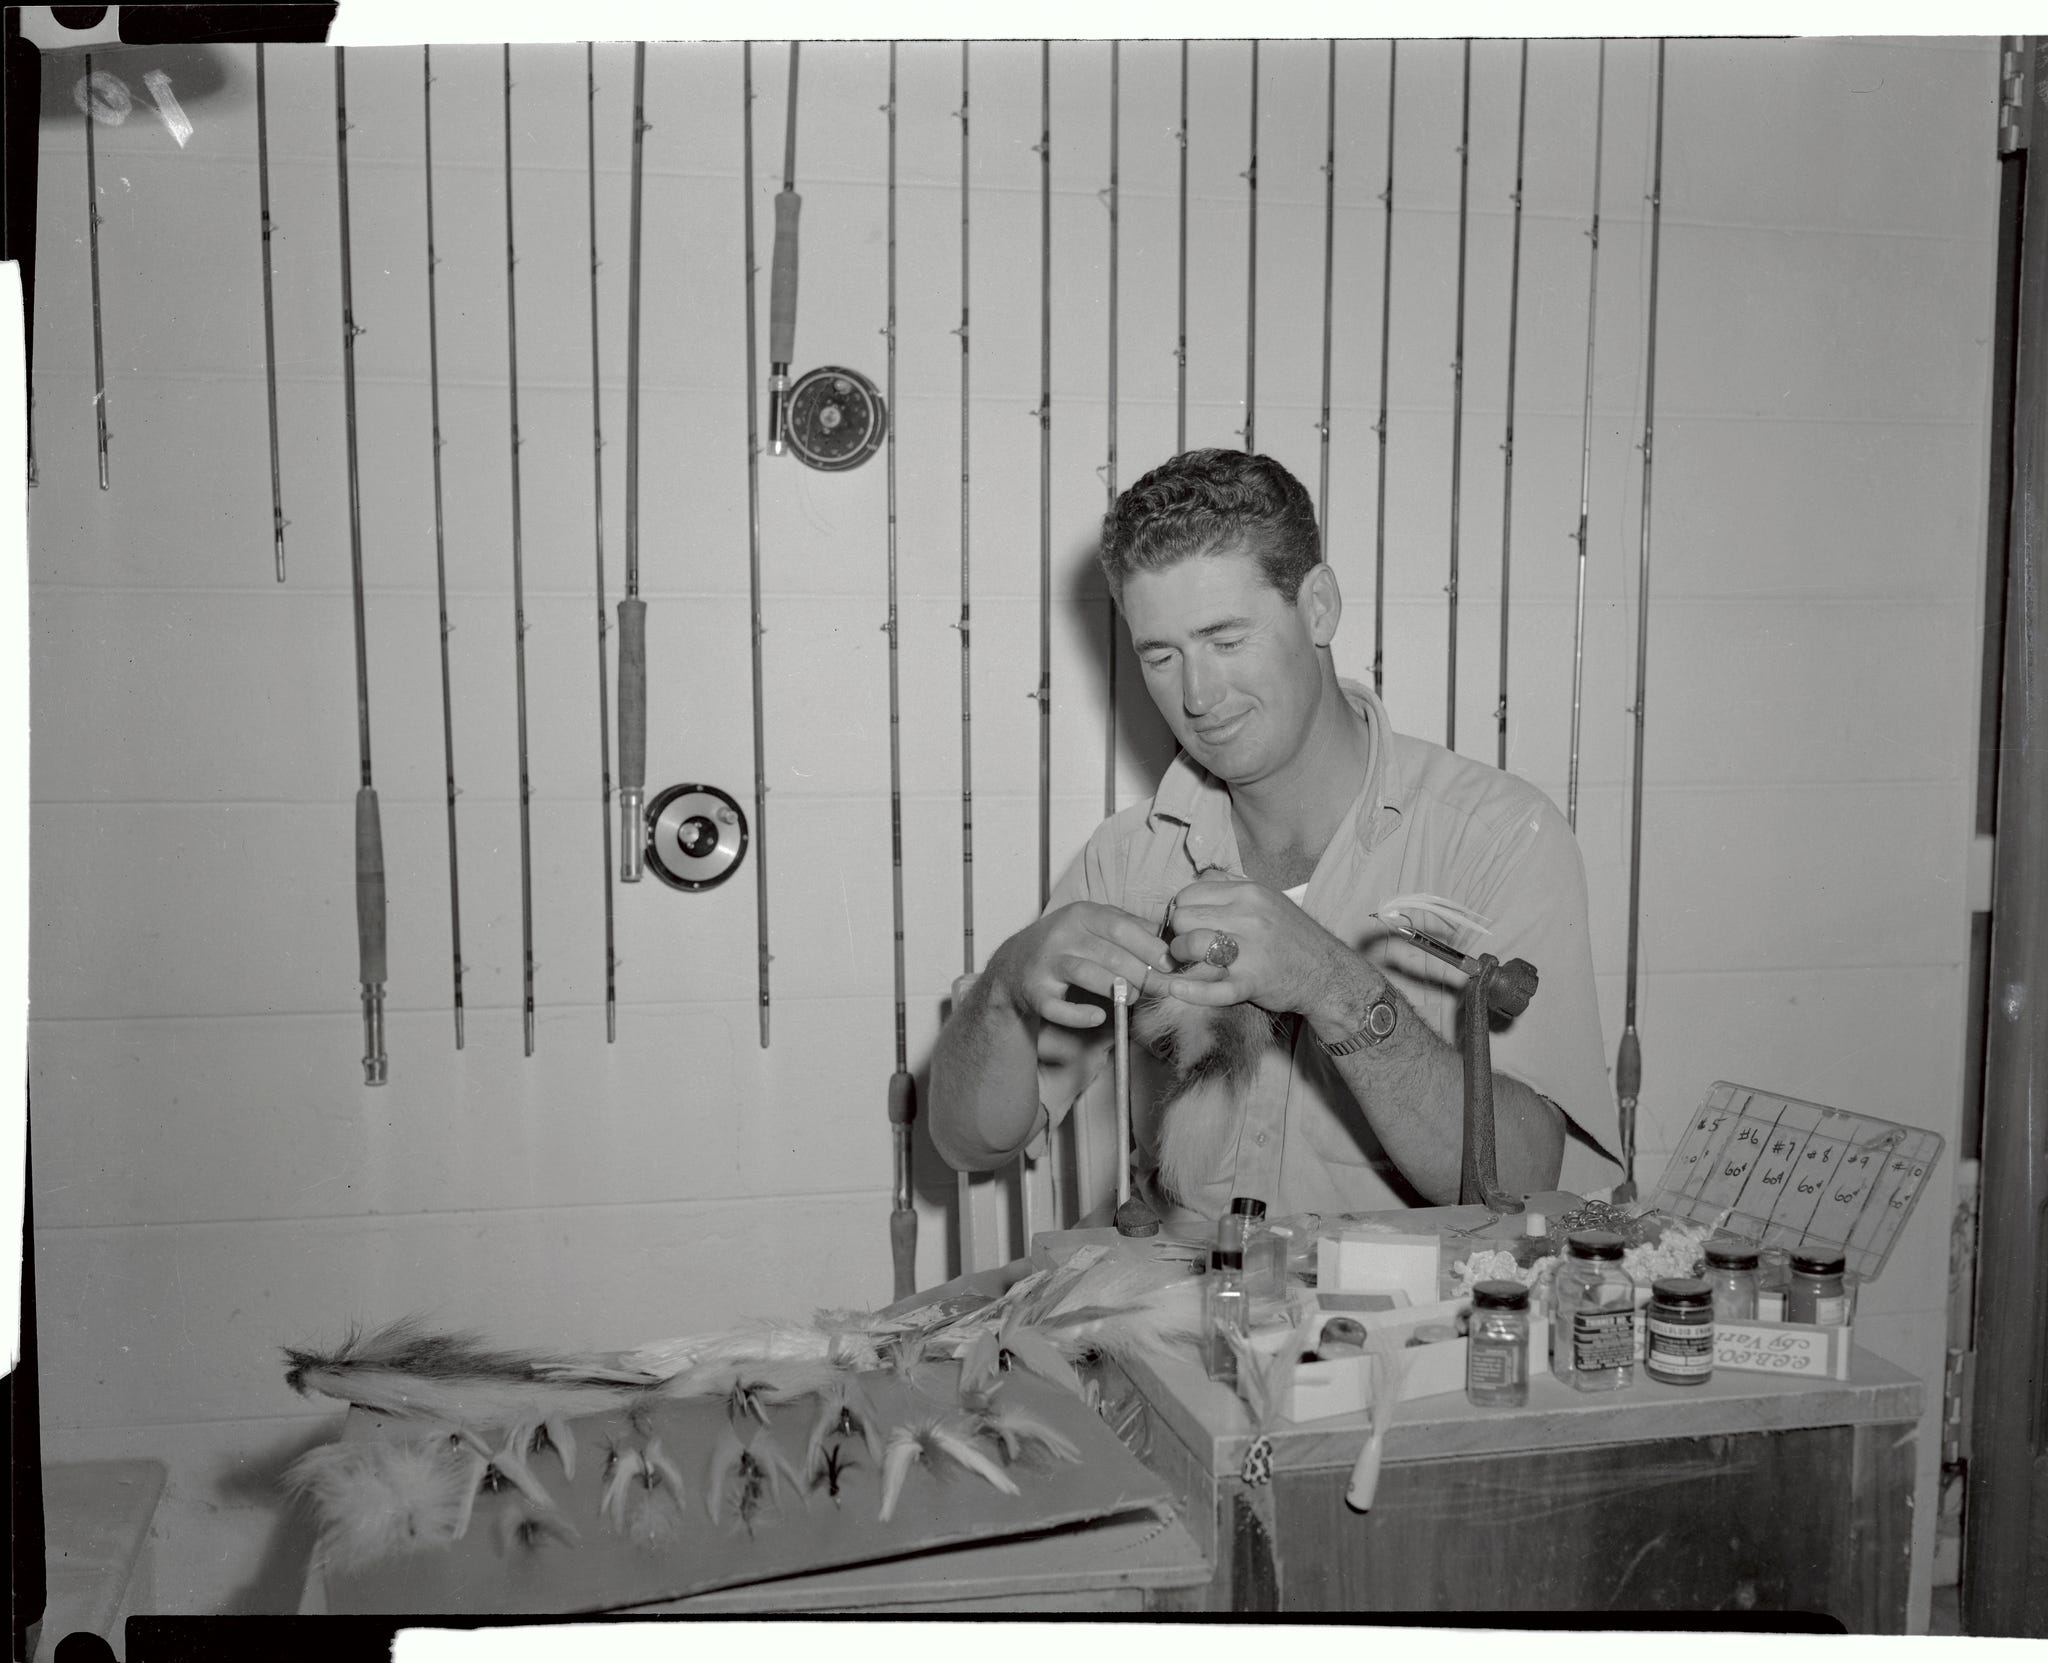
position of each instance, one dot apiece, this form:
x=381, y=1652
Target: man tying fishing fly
x=1307, y=1049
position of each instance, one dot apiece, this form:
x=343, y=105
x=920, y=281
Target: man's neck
x=1285, y=822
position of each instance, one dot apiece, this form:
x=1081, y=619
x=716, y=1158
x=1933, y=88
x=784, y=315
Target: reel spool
x=834, y=418
x=696, y=836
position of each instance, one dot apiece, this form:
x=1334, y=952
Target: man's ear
x=1321, y=602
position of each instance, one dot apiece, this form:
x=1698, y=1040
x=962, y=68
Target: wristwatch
x=1380, y=1017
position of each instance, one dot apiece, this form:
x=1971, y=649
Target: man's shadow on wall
x=1110, y=680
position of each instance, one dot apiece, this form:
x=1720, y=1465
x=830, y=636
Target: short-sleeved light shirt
x=1428, y=821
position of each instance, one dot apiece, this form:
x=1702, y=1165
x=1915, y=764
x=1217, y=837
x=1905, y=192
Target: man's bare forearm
x=1412, y=1089
x=985, y=1078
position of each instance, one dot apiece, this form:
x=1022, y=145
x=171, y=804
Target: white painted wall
x=213, y=1180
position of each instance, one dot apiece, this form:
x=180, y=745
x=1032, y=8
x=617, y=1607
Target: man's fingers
x=1070, y=1015
x=1222, y=992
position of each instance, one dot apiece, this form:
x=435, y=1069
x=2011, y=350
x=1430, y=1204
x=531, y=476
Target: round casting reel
x=834, y=418
x=696, y=836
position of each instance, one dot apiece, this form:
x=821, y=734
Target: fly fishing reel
x=696, y=836
x=834, y=418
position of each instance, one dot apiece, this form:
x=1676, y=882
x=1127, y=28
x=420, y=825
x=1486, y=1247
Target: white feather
x=377, y=1498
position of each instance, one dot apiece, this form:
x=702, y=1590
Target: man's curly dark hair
x=1207, y=501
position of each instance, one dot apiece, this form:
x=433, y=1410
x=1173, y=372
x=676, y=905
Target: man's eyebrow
x=1222, y=626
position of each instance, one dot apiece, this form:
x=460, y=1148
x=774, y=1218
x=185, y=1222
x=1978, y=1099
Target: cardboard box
x=1797, y=1349
x=1369, y=1260
x=1343, y=1385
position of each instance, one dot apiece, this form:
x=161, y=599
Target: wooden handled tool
x=782, y=275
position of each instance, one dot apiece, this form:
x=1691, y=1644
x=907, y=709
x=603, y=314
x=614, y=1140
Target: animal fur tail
x=404, y=1369
x=1214, y=1053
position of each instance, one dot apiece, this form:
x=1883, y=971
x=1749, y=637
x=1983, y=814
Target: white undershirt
x=1296, y=893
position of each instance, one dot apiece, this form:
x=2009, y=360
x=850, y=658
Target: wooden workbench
x=1748, y=1493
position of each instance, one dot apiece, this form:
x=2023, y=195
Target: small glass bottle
x=1593, y=1314
x=1497, y=1349
x=1681, y=1345
x=1816, y=1293
x=1225, y=1311
x=1731, y=1274
x=1772, y=1277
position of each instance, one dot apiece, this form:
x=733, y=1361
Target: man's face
x=1231, y=664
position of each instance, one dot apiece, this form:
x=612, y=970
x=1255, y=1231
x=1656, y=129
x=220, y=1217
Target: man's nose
x=1199, y=688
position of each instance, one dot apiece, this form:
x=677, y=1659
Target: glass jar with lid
x=1497, y=1346
x=1817, y=1291
x=1731, y=1274
x=1593, y=1314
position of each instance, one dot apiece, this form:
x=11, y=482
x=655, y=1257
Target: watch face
x=1380, y=1019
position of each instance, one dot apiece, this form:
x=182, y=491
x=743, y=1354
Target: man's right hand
x=1081, y=945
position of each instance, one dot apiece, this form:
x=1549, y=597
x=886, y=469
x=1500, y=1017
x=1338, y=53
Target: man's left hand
x=1285, y=961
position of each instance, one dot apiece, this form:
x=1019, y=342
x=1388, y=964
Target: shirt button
x=1260, y=1139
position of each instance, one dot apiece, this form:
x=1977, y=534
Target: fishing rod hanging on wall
x=902, y=1084
x=1329, y=297
x=1507, y=494
x=1628, y=1062
x=965, y=1184
x=1586, y=441
x=1109, y=463
x=1180, y=350
x=1251, y=279
x=1379, y=579
x=1044, y=148
x=754, y=529
x=1458, y=398
x=604, y=714
x=92, y=224
x=440, y=538
x=518, y=582
x=369, y=825
x=632, y=609
x=277, y=519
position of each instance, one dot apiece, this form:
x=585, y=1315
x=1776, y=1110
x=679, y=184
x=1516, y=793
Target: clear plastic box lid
x=1792, y=1174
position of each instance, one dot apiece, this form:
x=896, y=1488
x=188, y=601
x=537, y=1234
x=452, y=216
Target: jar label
x=1603, y=1339
x=1493, y=1363
x=1681, y=1348
x=1830, y=1310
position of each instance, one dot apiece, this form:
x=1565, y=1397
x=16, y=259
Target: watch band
x=1381, y=1017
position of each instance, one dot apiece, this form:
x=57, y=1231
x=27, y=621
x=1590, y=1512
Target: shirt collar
x=1191, y=796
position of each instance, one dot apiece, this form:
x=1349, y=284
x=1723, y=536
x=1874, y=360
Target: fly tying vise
x=369, y=826
x=1379, y=581
x=902, y=1084
x=1628, y=1062
x=1458, y=399
x=1571, y=800
x=518, y=584
x=754, y=516
x=1507, y=510
x=440, y=540
x=604, y=715
x=277, y=519
x=632, y=609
